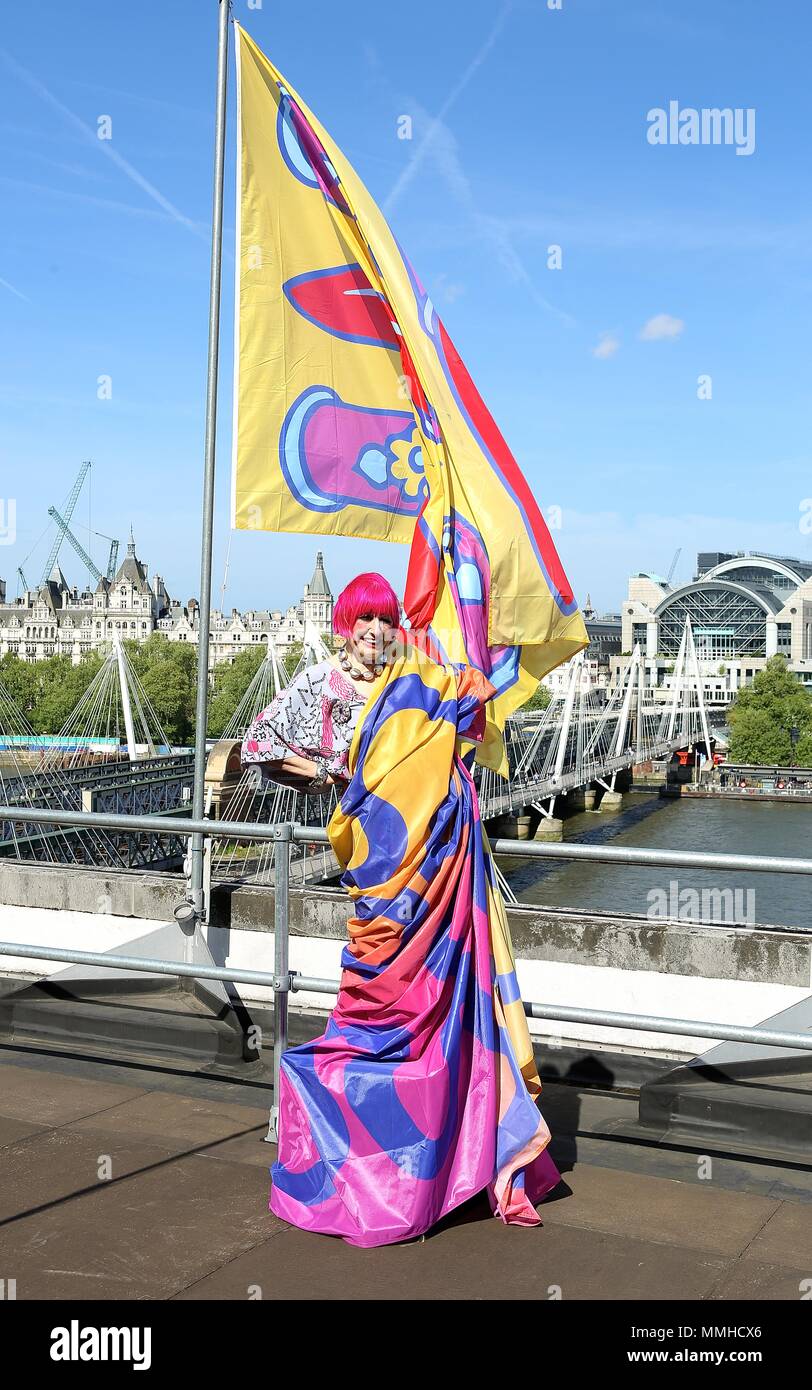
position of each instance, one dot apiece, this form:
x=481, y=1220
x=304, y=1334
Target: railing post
x=281, y=970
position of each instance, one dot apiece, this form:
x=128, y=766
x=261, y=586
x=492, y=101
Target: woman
x=303, y=737
x=421, y=1091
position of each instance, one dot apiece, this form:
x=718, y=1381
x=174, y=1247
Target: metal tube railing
x=283, y=981
x=150, y=965
x=114, y=820
x=649, y=1023
x=281, y=937
x=258, y=830
x=619, y=854
x=311, y=984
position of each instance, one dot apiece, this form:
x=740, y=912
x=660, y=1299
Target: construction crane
x=82, y=553
x=64, y=530
x=112, y=563
x=71, y=503
x=64, y=533
x=670, y=574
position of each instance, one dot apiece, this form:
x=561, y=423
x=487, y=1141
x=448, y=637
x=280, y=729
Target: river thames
x=711, y=825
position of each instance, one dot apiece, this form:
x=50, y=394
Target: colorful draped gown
x=422, y=1090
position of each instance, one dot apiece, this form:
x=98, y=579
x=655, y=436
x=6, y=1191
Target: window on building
x=726, y=623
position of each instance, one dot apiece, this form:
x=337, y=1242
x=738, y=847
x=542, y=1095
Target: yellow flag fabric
x=324, y=435
x=354, y=414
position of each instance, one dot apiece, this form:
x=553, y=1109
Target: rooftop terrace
x=183, y=1214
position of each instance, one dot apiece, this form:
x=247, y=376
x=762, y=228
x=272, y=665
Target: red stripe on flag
x=486, y=426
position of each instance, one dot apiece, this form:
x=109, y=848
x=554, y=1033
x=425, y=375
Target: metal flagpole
x=192, y=948
x=201, y=707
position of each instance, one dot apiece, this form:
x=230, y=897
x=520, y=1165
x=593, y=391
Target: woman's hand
x=297, y=772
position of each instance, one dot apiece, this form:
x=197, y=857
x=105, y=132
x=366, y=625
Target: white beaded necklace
x=359, y=673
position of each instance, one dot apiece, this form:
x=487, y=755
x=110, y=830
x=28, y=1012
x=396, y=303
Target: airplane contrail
x=105, y=146
x=12, y=290
x=417, y=158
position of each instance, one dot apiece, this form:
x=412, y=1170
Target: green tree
x=46, y=692
x=540, y=698
x=291, y=656
x=18, y=679
x=168, y=672
x=763, y=714
x=231, y=680
x=60, y=687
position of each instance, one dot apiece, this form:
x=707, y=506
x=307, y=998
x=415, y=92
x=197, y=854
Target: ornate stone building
x=56, y=619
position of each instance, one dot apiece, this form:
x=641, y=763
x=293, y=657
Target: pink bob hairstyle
x=366, y=593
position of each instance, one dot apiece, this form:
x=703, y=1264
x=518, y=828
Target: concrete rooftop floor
x=183, y=1213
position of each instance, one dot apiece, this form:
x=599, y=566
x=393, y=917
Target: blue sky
x=104, y=257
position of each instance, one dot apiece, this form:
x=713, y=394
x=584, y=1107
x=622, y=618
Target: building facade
x=604, y=633
x=59, y=620
x=744, y=607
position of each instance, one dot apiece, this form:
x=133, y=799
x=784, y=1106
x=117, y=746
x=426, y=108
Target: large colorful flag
x=354, y=414
x=422, y=1089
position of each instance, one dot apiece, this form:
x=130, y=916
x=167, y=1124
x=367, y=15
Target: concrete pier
x=510, y=827
x=549, y=828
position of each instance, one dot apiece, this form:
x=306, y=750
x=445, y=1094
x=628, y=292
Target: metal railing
x=283, y=981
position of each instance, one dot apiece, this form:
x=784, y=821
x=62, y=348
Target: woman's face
x=370, y=635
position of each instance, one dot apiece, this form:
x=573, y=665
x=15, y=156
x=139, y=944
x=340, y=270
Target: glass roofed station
x=744, y=608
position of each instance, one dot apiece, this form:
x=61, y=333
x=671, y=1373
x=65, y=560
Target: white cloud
x=607, y=347
x=661, y=326
x=447, y=290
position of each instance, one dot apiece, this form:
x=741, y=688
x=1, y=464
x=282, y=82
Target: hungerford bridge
x=112, y=756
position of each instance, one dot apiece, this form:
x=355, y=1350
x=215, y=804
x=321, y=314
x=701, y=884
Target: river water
x=712, y=825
